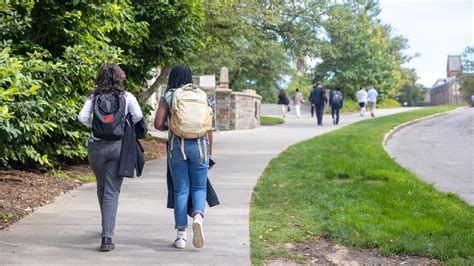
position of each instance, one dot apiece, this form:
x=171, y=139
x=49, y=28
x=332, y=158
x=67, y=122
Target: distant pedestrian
x=336, y=102
x=284, y=101
x=297, y=101
x=312, y=105
x=372, y=97
x=319, y=99
x=362, y=100
x=105, y=111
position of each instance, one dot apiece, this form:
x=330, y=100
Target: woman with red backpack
x=105, y=111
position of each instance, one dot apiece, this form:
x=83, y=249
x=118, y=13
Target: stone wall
x=245, y=111
x=237, y=110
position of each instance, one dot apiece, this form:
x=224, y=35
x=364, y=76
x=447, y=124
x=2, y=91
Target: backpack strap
x=205, y=148
x=199, y=147
x=182, y=148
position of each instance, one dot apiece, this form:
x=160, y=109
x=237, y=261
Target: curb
x=409, y=123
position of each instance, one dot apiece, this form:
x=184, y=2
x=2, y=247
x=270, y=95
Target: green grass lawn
x=343, y=185
x=270, y=120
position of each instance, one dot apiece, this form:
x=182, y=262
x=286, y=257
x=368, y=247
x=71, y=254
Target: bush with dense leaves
x=50, y=53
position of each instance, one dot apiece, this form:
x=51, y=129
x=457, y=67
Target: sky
x=434, y=29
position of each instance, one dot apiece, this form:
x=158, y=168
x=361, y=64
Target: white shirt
x=131, y=103
x=372, y=95
x=362, y=96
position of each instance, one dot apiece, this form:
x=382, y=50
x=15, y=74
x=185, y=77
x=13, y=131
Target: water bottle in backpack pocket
x=108, y=122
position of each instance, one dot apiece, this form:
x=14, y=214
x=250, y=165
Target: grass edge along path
x=344, y=186
x=271, y=120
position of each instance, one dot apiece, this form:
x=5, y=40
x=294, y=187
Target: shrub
x=389, y=103
x=50, y=52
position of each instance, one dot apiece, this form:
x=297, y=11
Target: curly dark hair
x=109, y=79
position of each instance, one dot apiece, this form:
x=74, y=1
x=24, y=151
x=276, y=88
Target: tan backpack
x=191, y=115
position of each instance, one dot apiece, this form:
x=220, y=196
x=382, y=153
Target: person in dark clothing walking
x=103, y=152
x=284, y=101
x=319, y=99
x=335, y=101
x=312, y=104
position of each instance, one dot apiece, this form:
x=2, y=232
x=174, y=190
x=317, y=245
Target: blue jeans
x=189, y=176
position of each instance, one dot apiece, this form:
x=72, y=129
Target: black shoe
x=372, y=115
x=107, y=244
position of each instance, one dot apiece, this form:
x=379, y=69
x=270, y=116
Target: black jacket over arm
x=131, y=156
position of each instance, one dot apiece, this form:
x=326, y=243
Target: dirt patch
x=321, y=251
x=21, y=192
x=154, y=148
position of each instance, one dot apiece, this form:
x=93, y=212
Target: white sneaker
x=198, y=239
x=181, y=239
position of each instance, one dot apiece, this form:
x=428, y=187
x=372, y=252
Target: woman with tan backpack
x=185, y=111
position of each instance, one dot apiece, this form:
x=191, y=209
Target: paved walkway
x=440, y=151
x=68, y=231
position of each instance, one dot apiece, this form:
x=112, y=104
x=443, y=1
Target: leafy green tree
x=257, y=39
x=51, y=51
x=175, y=30
x=467, y=86
x=411, y=92
x=467, y=78
x=359, y=51
x=49, y=63
x=254, y=61
x=468, y=59
x=303, y=83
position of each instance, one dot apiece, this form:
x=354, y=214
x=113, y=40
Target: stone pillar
x=223, y=101
x=223, y=109
x=224, y=79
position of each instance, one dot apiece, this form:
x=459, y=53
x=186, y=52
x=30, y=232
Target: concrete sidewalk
x=68, y=231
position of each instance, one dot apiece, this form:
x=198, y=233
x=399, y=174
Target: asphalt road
x=440, y=151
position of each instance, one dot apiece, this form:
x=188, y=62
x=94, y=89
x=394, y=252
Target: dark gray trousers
x=104, y=158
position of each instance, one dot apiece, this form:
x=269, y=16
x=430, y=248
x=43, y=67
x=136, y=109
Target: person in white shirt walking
x=297, y=101
x=372, y=97
x=362, y=100
x=105, y=112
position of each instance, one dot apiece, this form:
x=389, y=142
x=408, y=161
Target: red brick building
x=446, y=91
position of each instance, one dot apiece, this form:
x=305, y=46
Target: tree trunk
x=160, y=80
